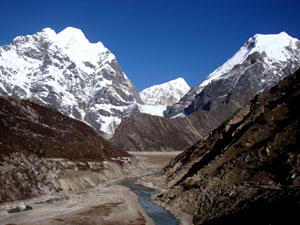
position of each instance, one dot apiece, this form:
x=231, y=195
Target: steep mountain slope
x=144, y=132
x=29, y=127
x=253, y=69
x=67, y=72
x=259, y=64
x=38, y=146
x=247, y=170
x=165, y=94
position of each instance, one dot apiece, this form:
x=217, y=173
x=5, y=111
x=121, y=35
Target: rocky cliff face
x=260, y=64
x=247, y=170
x=38, y=146
x=65, y=71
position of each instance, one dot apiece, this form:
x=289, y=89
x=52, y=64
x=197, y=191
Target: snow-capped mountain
x=165, y=94
x=259, y=64
x=67, y=72
x=158, y=97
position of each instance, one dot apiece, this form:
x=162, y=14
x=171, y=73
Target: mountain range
x=259, y=64
x=238, y=130
x=83, y=80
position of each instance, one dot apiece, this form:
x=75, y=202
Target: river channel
x=157, y=213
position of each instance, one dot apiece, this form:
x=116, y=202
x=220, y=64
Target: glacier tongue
x=67, y=72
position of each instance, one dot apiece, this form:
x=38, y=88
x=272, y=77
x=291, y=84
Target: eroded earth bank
x=104, y=202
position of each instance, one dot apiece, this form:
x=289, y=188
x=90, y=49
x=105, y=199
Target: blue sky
x=157, y=40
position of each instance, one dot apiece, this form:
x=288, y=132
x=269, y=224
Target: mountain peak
x=259, y=64
x=65, y=71
x=72, y=39
x=72, y=31
x=270, y=43
x=179, y=80
x=166, y=93
x=275, y=47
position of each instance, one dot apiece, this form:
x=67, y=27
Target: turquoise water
x=157, y=213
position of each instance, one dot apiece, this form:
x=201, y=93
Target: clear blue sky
x=157, y=40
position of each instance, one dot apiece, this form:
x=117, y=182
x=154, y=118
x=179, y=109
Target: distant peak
x=166, y=93
x=179, y=80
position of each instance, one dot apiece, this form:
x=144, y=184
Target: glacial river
x=157, y=213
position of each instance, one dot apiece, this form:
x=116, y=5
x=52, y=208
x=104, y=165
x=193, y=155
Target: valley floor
x=105, y=204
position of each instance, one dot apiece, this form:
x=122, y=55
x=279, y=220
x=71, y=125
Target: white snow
x=274, y=46
x=80, y=49
x=155, y=110
x=165, y=94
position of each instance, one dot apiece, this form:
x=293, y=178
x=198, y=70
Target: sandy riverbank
x=103, y=204
x=110, y=205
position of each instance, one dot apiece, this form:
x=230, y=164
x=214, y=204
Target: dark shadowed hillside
x=35, y=129
x=247, y=170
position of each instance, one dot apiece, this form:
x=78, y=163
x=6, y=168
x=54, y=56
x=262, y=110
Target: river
x=157, y=213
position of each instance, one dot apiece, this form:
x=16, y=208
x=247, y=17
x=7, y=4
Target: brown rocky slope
x=144, y=132
x=247, y=170
x=33, y=128
x=41, y=148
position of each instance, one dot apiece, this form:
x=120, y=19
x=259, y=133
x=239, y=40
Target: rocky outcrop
x=247, y=170
x=39, y=147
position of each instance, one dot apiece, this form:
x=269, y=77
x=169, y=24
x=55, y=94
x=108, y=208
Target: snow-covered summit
x=72, y=39
x=276, y=48
x=65, y=71
x=165, y=94
x=259, y=64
